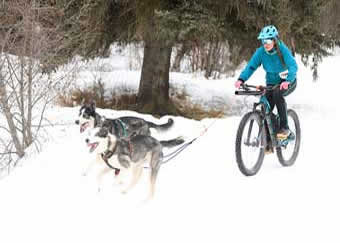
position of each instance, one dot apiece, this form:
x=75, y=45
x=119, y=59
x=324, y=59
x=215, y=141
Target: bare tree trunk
x=28, y=128
x=176, y=66
x=21, y=99
x=9, y=117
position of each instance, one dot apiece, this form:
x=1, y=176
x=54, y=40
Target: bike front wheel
x=250, y=143
x=289, y=150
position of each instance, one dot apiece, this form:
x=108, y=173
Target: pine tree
x=89, y=27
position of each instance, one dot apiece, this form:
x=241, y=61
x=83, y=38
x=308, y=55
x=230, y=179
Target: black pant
x=276, y=97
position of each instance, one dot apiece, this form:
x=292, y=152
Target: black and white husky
x=130, y=155
x=121, y=127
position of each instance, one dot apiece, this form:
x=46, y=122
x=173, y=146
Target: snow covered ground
x=200, y=195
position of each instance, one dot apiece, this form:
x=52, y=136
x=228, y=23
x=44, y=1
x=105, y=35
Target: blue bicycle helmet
x=268, y=32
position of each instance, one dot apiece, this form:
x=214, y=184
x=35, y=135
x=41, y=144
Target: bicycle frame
x=265, y=110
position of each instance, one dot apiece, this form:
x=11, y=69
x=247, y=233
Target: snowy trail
x=200, y=195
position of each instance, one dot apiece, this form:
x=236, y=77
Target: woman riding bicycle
x=280, y=67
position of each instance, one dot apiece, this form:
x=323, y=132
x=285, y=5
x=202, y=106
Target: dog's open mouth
x=92, y=146
x=84, y=126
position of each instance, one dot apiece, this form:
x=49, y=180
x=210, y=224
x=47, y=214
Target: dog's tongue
x=84, y=126
x=92, y=146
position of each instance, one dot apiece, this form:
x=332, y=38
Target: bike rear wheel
x=250, y=143
x=288, y=152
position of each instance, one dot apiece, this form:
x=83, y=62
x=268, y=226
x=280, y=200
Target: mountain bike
x=257, y=131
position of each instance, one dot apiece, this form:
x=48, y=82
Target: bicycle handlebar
x=255, y=90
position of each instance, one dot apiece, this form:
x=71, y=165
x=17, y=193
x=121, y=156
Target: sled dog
x=130, y=155
x=121, y=127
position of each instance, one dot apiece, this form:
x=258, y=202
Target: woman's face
x=268, y=45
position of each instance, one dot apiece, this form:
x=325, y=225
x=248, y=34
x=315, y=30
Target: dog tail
x=162, y=127
x=173, y=142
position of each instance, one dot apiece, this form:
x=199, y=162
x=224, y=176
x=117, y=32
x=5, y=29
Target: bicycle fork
x=248, y=141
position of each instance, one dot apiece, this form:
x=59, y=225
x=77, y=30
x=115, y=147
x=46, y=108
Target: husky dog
x=130, y=155
x=121, y=127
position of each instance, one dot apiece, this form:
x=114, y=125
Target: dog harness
x=105, y=158
x=118, y=122
x=107, y=155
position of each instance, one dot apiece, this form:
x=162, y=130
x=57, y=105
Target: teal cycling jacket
x=271, y=64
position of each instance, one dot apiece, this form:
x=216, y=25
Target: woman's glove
x=284, y=85
x=238, y=84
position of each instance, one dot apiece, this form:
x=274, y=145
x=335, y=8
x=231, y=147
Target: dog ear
x=103, y=132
